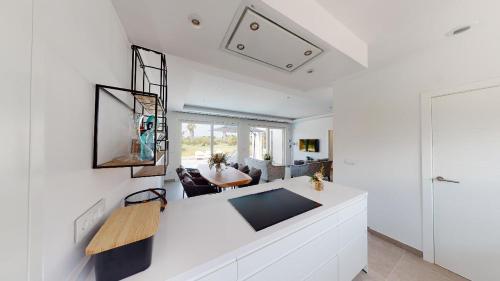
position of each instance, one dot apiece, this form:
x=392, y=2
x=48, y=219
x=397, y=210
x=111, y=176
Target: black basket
x=147, y=195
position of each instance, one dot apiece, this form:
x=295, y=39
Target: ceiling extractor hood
x=259, y=38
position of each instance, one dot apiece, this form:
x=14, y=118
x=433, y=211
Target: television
x=309, y=145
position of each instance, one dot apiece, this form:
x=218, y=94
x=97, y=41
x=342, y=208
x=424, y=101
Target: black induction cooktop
x=265, y=209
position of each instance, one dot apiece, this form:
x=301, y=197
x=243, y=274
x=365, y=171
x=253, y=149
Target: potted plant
x=216, y=160
x=317, y=179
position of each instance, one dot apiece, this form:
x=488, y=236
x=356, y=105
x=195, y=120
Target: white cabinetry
x=333, y=248
x=205, y=239
x=227, y=273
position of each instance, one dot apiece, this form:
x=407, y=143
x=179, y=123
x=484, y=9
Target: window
x=258, y=142
x=196, y=143
x=277, y=146
x=201, y=140
x=226, y=140
x=267, y=140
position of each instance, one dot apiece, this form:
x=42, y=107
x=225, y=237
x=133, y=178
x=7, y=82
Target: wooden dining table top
x=228, y=177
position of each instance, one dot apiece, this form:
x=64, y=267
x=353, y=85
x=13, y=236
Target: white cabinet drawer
x=352, y=210
x=327, y=272
x=303, y=261
x=256, y=261
x=353, y=258
x=227, y=273
x=352, y=228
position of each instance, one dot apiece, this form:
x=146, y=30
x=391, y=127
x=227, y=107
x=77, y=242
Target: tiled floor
x=174, y=190
x=386, y=262
x=389, y=262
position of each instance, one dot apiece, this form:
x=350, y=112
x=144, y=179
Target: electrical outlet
x=88, y=221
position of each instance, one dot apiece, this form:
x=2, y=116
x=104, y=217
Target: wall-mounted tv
x=309, y=145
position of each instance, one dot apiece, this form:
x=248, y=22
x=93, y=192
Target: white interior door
x=466, y=148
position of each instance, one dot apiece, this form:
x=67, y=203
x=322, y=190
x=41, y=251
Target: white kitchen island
x=204, y=238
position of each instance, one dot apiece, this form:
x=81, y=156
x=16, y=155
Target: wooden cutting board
x=125, y=226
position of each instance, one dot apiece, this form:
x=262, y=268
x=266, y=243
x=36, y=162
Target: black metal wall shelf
x=130, y=125
x=115, y=119
x=149, y=73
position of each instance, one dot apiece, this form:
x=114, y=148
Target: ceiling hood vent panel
x=259, y=38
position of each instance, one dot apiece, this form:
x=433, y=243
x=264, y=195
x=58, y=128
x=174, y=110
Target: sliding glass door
x=267, y=141
x=201, y=140
x=196, y=143
x=277, y=145
x=258, y=142
x=225, y=140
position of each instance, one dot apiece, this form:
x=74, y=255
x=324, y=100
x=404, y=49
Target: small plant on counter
x=268, y=156
x=317, y=179
x=216, y=160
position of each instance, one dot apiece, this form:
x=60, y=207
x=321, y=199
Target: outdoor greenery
x=225, y=145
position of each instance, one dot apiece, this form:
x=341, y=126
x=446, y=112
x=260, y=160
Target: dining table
x=226, y=177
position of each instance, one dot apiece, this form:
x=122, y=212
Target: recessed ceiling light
x=240, y=47
x=289, y=65
x=308, y=53
x=310, y=71
x=458, y=30
x=254, y=26
x=195, y=21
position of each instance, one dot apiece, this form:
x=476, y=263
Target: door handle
x=439, y=178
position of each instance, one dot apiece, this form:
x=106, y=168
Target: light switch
x=88, y=221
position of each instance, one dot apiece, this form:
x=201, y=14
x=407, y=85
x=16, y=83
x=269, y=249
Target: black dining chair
x=244, y=169
x=255, y=175
x=192, y=189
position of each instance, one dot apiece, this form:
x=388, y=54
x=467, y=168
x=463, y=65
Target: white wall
x=377, y=125
x=174, y=131
x=312, y=128
x=76, y=45
x=15, y=73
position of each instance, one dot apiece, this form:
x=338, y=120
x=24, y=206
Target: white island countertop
x=204, y=233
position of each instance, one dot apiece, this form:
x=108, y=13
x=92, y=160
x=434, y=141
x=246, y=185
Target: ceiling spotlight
x=195, y=20
x=308, y=53
x=240, y=47
x=310, y=71
x=289, y=65
x=458, y=30
x=254, y=26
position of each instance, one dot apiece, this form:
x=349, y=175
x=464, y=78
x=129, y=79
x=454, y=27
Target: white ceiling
x=196, y=84
x=392, y=29
x=165, y=25
x=396, y=28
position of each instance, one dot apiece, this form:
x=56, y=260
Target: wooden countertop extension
x=126, y=225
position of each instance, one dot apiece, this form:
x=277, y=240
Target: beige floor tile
x=382, y=256
x=370, y=276
x=413, y=268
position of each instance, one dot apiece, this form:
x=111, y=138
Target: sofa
x=270, y=172
x=309, y=168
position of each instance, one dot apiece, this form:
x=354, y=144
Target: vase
x=218, y=169
x=318, y=185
